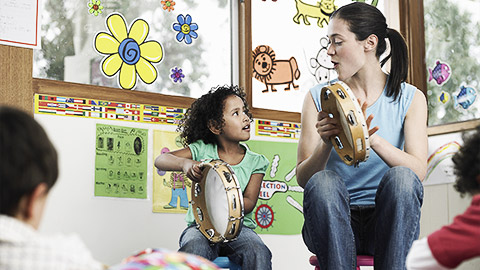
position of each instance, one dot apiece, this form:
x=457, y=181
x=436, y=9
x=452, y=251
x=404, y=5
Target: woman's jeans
x=248, y=250
x=336, y=231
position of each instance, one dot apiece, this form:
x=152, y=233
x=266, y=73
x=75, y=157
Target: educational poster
x=171, y=190
x=121, y=161
x=279, y=208
x=19, y=23
x=441, y=149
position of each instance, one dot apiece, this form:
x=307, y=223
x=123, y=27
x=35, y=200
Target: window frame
x=411, y=27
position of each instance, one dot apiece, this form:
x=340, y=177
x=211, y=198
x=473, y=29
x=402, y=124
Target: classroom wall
x=114, y=228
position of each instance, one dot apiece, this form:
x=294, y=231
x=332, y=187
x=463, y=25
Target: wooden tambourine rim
x=232, y=189
x=358, y=151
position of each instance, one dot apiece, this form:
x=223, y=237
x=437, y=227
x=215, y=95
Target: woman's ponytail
x=399, y=63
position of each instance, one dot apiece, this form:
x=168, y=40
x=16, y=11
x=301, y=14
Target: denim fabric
x=248, y=250
x=336, y=231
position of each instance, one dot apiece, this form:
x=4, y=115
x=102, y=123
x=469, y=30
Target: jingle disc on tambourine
x=352, y=144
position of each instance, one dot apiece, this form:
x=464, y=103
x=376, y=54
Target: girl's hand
x=193, y=169
x=326, y=127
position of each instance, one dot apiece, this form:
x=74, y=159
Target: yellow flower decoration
x=128, y=51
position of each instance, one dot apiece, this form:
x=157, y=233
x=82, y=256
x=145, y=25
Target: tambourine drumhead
x=352, y=144
x=217, y=202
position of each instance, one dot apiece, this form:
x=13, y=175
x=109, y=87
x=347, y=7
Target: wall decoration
x=185, y=28
x=95, y=7
x=465, y=98
x=272, y=72
x=441, y=149
x=444, y=97
x=177, y=75
x=171, y=190
x=168, y=5
x=323, y=67
x=373, y=3
x=111, y=110
x=277, y=129
x=307, y=44
x=128, y=52
x=439, y=163
x=121, y=162
x=440, y=73
x=280, y=198
x=321, y=11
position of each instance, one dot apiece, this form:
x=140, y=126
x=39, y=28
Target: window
x=191, y=62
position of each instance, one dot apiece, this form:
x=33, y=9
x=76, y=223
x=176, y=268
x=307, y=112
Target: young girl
x=213, y=128
x=373, y=209
x=451, y=245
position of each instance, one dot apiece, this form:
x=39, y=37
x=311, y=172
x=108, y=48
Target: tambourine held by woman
x=217, y=202
x=352, y=144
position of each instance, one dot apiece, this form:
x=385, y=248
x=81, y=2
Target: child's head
x=27, y=159
x=467, y=165
x=208, y=110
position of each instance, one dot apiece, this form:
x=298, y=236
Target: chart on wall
x=121, y=161
x=289, y=50
x=279, y=207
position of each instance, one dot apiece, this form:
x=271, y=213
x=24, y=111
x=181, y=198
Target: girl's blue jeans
x=248, y=250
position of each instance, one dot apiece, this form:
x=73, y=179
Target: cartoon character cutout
x=321, y=11
x=374, y=2
x=444, y=97
x=272, y=72
x=465, y=98
x=178, y=184
x=324, y=70
x=440, y=73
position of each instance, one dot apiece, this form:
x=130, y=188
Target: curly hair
x=208, y=109
x=466, y=164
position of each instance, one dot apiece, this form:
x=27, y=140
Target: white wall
x=115, y=228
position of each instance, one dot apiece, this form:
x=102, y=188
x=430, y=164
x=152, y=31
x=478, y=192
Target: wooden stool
x=362, y=260
x=224, y=262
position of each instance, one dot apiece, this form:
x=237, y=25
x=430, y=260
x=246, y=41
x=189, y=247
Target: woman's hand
x=193, y=169
x=326, y=127
x=369, y=119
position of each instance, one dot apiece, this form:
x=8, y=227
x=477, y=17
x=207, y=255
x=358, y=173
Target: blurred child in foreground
x=449, y=246
x=28, y=170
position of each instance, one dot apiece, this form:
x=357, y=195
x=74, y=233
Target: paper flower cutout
x=186, y=29
x=128, y=51
x=168, y=5
x=177, y=75
x=95, y=7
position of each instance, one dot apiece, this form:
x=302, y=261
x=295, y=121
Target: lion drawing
x=270, y=71
x=321, y=11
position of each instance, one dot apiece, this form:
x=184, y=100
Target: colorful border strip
x=277, y=129
x=100, y=109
